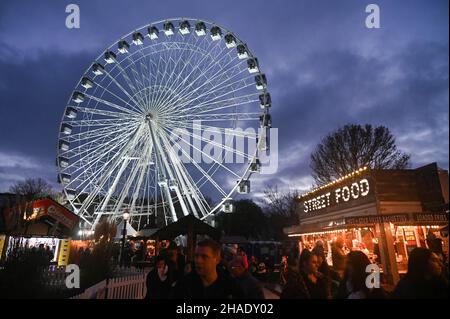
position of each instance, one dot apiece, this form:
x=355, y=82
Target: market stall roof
x=130, y=230
x=184, y=225
x=42, y=217
x=145, y=232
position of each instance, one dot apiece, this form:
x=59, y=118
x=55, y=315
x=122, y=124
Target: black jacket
x=157, y=289
x=191, y=287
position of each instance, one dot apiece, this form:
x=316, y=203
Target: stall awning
x=145, y=233
x=404, y=219
x=129, y=229
x=43, y=217
x=184, y=225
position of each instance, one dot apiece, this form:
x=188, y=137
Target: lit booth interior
x=384, y=213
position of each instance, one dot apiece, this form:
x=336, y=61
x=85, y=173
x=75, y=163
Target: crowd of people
x=214, y=274
x=211, y=275
x=310, y=277
x=42, y=255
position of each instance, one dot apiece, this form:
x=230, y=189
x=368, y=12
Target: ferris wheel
x=137, y=132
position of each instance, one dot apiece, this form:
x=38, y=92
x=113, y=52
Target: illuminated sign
x=356, y=190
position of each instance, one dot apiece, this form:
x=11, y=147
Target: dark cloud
x=325, y=69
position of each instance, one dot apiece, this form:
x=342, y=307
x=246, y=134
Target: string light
x=358, y=171
x=319, y=233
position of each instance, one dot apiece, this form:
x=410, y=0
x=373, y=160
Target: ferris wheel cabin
x=216, y=33
x=200, y=29
x=123, y=46
x=185, y=27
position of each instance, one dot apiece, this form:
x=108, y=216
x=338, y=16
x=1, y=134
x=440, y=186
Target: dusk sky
x=324, y=69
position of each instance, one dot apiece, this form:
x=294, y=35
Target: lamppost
x=125, y=216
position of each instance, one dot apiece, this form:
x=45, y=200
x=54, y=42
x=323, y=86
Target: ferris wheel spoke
x=145, y=74
x=138, y=76
x=187, y=88
x=165, y=169
x=106, y=173
x=188, y=92
x=219, y=87
x=100, y=158
x=213, y=129
x=132, y=87
x=93, y=111
x=167, y=74
x=125, y=163
x=102, y=122
x=210, y=99
x=199, y=183
x=145, y=164
x=215, y=105
x=205, y=174
x=95, y=133
x=135, y=109
x=122, y=89
x=126, y=189
x=113, y=105
x=169, y=149
x=220, y=117
x=210, y=157
x=224, y=147
x=95, y=146
x=189, y=189
x=165, y=57
x=211, y=45
x=175, y=85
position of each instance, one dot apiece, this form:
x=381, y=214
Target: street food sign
x=352, y=191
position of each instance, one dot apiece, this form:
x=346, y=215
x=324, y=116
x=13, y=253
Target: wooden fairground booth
x=42, y=222
x=384, y=213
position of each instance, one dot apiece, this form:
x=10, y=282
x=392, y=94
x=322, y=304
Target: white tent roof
x=130, y=230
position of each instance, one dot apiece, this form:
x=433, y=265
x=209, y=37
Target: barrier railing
x=130, y=287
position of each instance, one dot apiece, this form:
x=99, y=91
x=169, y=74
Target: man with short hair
x=205, y=282
x=250, y=286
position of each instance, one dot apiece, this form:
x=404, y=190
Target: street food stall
x=39, y=223
x=384, y=213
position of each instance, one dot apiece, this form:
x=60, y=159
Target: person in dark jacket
x=354, y=284
x=306, y=282
x=205, y=282
x=158, y=280
x=249, y=285
x=175, y=262
x=424, y=279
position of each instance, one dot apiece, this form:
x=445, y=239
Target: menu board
x=410, y=236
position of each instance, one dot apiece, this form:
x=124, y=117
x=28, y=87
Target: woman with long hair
x=354, y=283
x=424, y=279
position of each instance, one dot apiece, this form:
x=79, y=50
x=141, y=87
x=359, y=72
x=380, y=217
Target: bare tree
x=32, y=188
x=352, y=147
x=280, y=203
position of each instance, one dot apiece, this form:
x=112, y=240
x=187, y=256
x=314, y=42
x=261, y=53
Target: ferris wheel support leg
x=105, y=176
x=114, y=185
x=181, y=178
x=140, y=180
x=169, y=199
